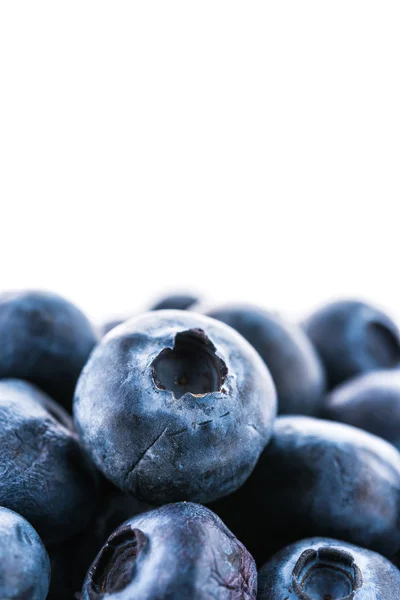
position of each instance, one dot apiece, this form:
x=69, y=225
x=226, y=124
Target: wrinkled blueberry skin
x=160, y=447
x=71, y=559
x=43, y=473
x=45, y=340
x=352, y=338
x=293, y=363
x=338, y=570
x=178, y=552
x=370, y=402
x=24, y=563
x=318, y=478
x=176, y=302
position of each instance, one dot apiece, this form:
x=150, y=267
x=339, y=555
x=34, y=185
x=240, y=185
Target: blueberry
x=318, y=478
x=176, y=302
x=45, y=340
x=43, y=474
x=108, y=325
x=370, y=402
x=180, y=551
x=174, y=405
x=294, y=365
x=71, y=559
x=24, y=563
x=353, y=338
x=328, y=569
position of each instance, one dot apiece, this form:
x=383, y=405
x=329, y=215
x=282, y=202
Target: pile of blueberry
x=147, y=461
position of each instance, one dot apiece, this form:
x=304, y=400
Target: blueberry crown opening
x=191, y=366
x=326, y=574
x=115, y=566
x=383, y=344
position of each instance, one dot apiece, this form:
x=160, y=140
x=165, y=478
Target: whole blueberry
x=293, y=363
x=352, y=338
x=43, y=474
x=176, y=302
x=371, y=402
x=328, y=569
x=71, y=559
x=24, y=563
x=318, y=478
x=178, y=552
x=45, y=340
x=174, y=405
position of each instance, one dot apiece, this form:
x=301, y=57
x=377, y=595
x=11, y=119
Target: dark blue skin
x=45, y=340
x=318, y=478
x=180, y=551
x=352, y=338
x=43, y=473
x=370, y=402
x=173, y=406
x=328, y=569
x=175, y=301
x=294, y=365
x=24, y=563
x=71, y=559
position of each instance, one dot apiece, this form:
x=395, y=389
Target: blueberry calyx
x=114, y=566
x=326, y=574
x=191, y=366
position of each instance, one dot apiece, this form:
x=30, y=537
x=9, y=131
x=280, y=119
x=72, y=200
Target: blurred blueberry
x=43, y=473
x=352, y=338
x=328, y=569
x=178, y=552
x=24, y=563
x=370, y=402
x=176, y=302
x=44, y=339
x=294, y=365
x=175, y=405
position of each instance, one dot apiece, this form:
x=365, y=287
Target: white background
x=246, y=150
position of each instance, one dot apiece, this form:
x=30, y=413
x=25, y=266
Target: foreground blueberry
x=370, y=402
x=328, y=569
x=24, y=564
x=352, y=338
x=71, y=559
x=178, y=552
x=293, y=363
x=174, y=405
x=43, y=475
x=44, y=339
x=318, y=478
